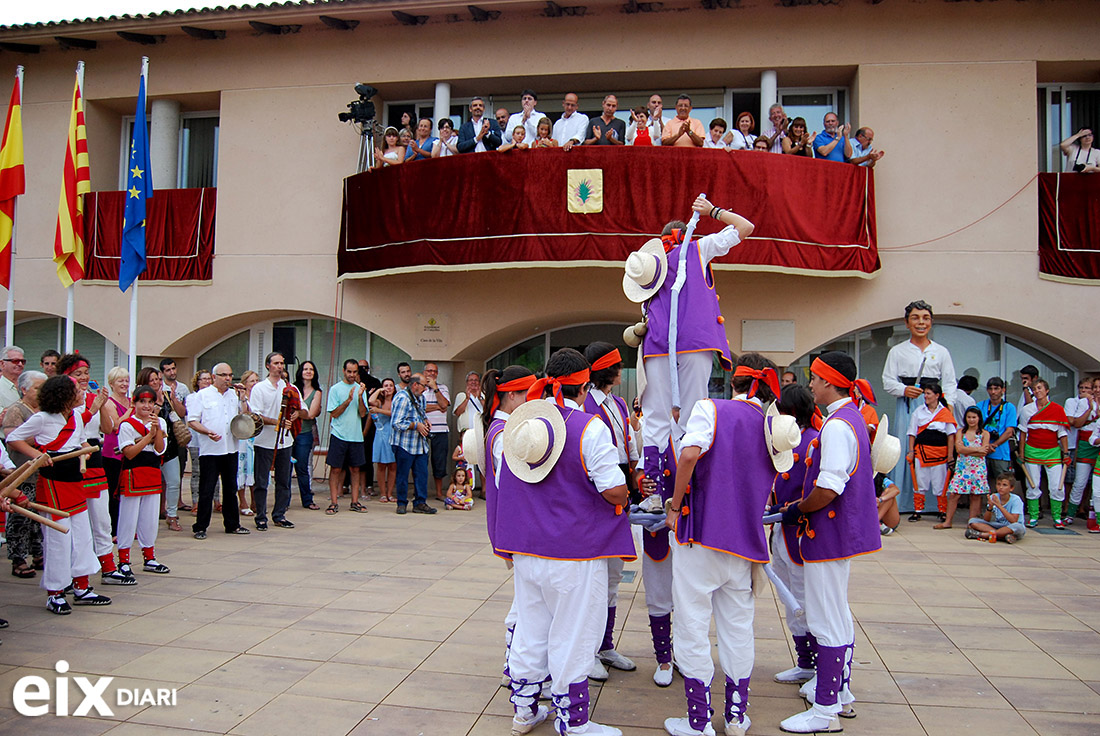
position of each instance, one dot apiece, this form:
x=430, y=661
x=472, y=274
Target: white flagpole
x=132, y=365
x=70, y=306
x=9, y=330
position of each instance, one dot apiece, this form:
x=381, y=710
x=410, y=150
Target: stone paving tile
x=392, y=626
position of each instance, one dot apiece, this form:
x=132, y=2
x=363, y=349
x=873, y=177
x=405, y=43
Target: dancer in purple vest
x=840, y=521
x=560, y=516
x=723, y=479
x=503, y=391
x=606, y=373
x=650, y=275
x=791, y=487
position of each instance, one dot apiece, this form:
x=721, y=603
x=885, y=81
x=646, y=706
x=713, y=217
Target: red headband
x=79, y=362
x=516, y=384
x=608, y=360
x=865, y=390
x=672, y=240
x=767, y=375
x=556, y=382
x=830, y=374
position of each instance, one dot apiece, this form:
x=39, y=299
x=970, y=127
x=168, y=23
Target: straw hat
x=886, y=449
x=534, y=437
x=646, y=269
x=781, y=435
x=473, y=444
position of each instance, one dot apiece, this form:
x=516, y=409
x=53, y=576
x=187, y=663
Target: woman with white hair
x=24, y=536
x=118, y=409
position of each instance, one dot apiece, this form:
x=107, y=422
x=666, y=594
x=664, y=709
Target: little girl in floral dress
x=971, y=477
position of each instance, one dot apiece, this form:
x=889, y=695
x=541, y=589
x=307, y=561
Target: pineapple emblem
x=584, y=190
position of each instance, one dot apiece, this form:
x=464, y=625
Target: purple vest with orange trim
x=597, y=410
x=731, y=484
x=791, y=486
x=848, y=526
x=495, y=428
x=699, y=325
x=564, y=516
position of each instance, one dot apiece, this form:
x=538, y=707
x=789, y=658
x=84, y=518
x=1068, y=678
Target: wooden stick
x=40, y=519
x=23, y=472
x=47, y=509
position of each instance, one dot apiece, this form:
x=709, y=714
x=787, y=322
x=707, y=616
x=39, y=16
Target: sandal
x=20, y=569
x=332, y=509
x=174, y=524
x=313, y=507
x=39, y=563
x=358, y=507
x=247, y=512
x=217, y=508
x=184, y=507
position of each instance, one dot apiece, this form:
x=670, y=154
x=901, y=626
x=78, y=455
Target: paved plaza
x=392, y=625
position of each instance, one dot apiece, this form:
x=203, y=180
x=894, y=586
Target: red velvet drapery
x=510, y=210
x=1069, y=227
x=179, y=235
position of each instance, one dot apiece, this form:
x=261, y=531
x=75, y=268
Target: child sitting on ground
x=460, y=496
x=1003, y=515
x=888, y=515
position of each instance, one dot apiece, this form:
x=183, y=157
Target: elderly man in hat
x=673, y=282
x=840, y=521
x=730, y=456
x=562, y=490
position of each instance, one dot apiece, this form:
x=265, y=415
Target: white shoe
x=795, y=675
x=812, y=721
x=738, y=729
x=598, y=671
x=521, y=725
x=663, y=677
x=808, y=689
x=506, y=682
x=611, y=658
x=682, y=727
x=593, y=729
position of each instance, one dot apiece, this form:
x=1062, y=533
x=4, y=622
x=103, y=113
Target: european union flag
x=139, y=187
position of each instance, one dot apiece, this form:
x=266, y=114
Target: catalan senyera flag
x=12, y=181
x=68, y=240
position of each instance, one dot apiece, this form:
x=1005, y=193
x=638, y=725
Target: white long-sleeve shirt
x=839, y=452
x=570, y=128
x=905, y=359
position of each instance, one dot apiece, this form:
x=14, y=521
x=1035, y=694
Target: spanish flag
x=12, y=181
x=68, y=240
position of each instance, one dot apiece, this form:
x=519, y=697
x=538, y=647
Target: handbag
x=182, y=432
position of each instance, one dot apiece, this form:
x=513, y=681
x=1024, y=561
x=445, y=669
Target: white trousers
x=561, y=613
x=793, y=577
x=827, y=614
x=931, y=479
x=68, y=556
x=1080, y=480
x=694, y=374
x=1054, y=476
x=614, y=577
x=140, y=516
x=99, y=517
x=707, y=582
x=657, y=578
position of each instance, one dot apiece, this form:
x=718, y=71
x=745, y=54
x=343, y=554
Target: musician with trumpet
x=209, y=415
x=280, y=406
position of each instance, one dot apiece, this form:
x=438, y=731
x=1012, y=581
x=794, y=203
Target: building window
x=974, y=352
x=198, y=151
x=232, y=350
x=36, y=336
x=1064, y=110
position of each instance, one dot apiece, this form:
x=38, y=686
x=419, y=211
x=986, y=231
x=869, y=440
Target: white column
x=164, y=142
x=442, y=102
x=769, y=95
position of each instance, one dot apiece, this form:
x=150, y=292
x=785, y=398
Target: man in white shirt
x=12, y=362
x=569, y=130
x=778, y=130
x=907, y=364
x=528, y=117
x=266, y=400
x=657, y=120
x=209, y=415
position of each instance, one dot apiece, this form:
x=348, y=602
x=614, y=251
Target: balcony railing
x=594, y=205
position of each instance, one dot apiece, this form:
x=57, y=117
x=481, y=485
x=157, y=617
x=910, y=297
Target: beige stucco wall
x=953, y=108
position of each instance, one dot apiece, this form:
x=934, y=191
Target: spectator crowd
x=530, y=128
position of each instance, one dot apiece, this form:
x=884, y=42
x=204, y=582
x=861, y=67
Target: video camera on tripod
x=362, y=112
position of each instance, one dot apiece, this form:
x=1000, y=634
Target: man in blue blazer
x=479, y=133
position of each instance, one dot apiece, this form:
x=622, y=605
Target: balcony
x=592, y=206
x=1069, y=227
